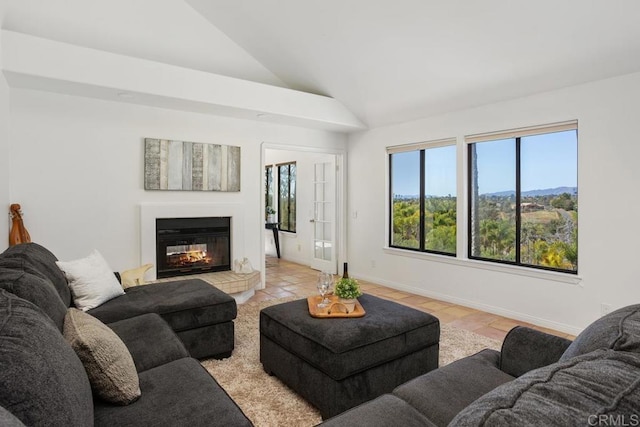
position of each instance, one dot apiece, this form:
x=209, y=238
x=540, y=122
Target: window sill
x=483, y=265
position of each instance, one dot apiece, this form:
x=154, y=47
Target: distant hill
x=530, y=193
x=534, y=193
x=405, y=196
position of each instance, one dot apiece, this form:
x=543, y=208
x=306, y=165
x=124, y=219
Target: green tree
x=442, y=239
x=497, y=239
x=564, y=201
x=406, y=223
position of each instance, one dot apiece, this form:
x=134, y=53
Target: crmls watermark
x=632, y=420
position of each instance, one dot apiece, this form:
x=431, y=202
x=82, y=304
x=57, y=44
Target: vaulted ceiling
x=386, y=61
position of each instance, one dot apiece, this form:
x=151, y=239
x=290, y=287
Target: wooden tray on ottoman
x=335, y=309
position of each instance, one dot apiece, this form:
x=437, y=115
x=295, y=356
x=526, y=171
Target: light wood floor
x=287, y=279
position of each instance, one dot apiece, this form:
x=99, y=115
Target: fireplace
x=192, y=245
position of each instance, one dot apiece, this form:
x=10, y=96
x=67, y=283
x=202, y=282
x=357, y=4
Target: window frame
x=421, y=148
x=515, y=134
x=269, y=191
x=288, y=229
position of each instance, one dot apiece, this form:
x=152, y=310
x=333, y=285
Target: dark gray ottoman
x=336, y=364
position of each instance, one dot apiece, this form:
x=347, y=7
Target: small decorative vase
x=349, y=303
x=271, y=218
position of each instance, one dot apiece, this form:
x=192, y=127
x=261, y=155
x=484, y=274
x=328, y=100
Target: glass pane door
x=324, y=207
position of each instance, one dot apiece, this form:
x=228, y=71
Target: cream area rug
x=267, y=401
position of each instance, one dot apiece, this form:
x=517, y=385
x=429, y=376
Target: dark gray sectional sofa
x=536, y=380
x=165, y=327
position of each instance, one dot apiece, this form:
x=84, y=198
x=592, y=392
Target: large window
x=523, y=197
x=423, y=201
x=287, y=197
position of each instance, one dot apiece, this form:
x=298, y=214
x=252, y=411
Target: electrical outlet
x=373, y=264
x=605, y=309
x=299, y=247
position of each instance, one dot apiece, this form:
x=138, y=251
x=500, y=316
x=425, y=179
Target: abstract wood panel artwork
x=191, y=166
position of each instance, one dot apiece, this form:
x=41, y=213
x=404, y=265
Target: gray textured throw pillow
x=7, y=419
x=109, y=365
x=618, y=330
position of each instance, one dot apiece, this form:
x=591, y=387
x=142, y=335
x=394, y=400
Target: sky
x=440, y=167
x=547, y=161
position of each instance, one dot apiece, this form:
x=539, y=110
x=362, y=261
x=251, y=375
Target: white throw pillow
x=91, y=280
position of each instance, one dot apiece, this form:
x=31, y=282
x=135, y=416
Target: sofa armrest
x=525, y=349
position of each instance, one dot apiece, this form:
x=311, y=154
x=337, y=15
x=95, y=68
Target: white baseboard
x=297, y=260
x=562, y=327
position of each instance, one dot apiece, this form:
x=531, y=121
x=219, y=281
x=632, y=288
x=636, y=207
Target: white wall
x=78, y=169
x=5, y=195
x=5, y=155
x=298, y=246
x=609, y=228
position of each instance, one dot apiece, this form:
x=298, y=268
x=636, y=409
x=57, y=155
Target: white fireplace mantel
x=149, y=212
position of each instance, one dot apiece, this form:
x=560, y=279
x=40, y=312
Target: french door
x=324, y=216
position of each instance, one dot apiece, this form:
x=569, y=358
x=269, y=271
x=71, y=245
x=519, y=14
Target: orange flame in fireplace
x=188, y=258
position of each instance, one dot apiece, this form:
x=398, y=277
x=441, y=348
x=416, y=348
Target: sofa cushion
x=441, y=394
x=575, y=392
x=150, y=340
x=106, y=359
x=42, y=381
x=618, y=330
x=19, y=264
x=91, y=280
x=41, y=259
x=178, y=393
x=184, y=304
x=35, y=289
x=384, y=411
x=216, y=341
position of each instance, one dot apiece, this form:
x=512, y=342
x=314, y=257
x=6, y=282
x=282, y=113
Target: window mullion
x=288, y=197
x=421, y=234
x=518, y=202
x=391, y=201
x=278, y=196
x=473, y=222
